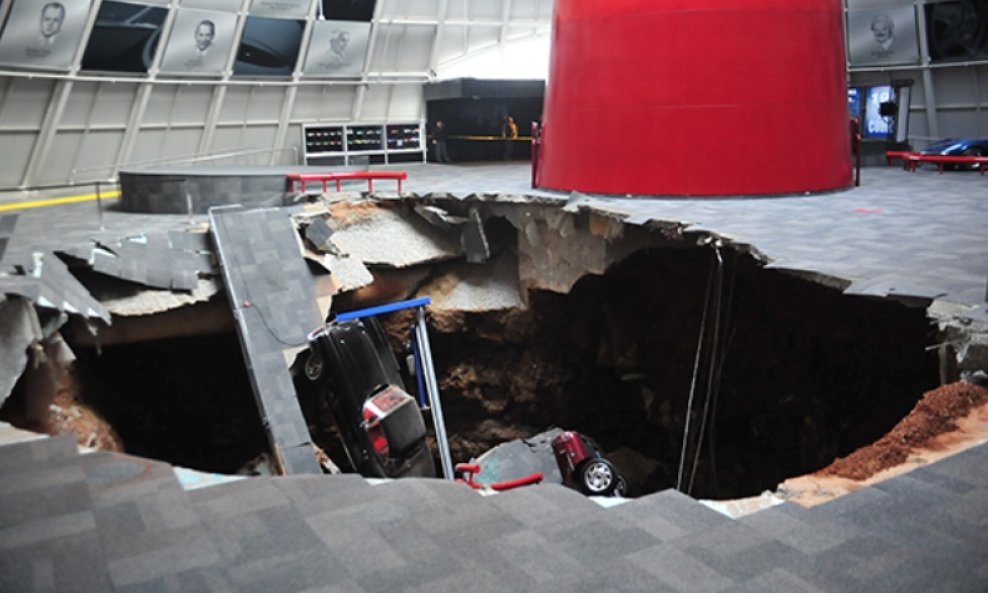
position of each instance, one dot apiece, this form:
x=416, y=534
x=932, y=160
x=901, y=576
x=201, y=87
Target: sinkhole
x=775, y=375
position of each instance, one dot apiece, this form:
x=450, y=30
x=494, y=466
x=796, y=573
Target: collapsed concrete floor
x=543, y=317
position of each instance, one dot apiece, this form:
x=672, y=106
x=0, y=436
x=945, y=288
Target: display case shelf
x=372, y=143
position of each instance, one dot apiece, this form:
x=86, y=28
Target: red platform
x=696, y=97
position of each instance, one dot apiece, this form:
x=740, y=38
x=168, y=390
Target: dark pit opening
x=187, y=401
x=805, y=373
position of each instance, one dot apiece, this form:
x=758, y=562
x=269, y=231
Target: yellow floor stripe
x=107, y=195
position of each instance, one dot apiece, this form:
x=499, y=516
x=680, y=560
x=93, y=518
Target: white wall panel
x=376, y=101
x=79, y=105
x=192, y=104
x=265, y=103
x=114, y=105
x=160, y=105
x=958, y=123
x=26, y=106
x=409, y=8
x=91, y=162
x=61, y=159
x=955, y=86
x=406, y=103
x=240, y=138
x=16, y=152
x=323, y=103
x=476, y=10
x=180, y=142
x=402, y=48
x=235, y=105
x=149, y=145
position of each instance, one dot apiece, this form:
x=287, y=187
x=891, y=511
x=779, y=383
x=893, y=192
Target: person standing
x=509, y=131
x=439, y=142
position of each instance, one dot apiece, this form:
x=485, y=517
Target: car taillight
x=378, y=440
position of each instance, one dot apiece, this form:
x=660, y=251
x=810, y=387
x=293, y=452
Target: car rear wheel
x=313, y=367
x=973, y=152
x=598, y=477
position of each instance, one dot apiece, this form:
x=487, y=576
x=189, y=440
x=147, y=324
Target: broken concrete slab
x=46, y=280
x=271, y=294
x=470, y=287
x=21, y=328
x=474, y=240
x=360, y=227
x=172, y=260
x=128, y=300
x=318, y=234
x=556, y=248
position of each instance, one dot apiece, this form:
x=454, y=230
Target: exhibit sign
x=882, y=36
x=877, y=125
x=200, y=42
x=43, y=34
x=337, y=49
x=295, y=9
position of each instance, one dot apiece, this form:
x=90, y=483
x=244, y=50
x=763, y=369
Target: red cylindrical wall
x=696, y=97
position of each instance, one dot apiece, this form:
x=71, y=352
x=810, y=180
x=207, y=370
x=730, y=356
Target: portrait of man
x=337, y=48
x=205, y=32
x=52, y=17
x=338, y=41
x=883, y=28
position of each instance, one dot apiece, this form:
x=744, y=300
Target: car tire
x=598, y=477
x=314, y=367
x=972, y=152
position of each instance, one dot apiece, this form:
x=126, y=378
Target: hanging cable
x=727, y=341
x=696, y=368
x=718, y=292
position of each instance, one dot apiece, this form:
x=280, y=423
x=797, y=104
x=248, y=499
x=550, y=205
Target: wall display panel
x=125, y=37
x=292, y=9
x=337, y=48
x=876, y=125
x=41, y=34
x=268, y=47
x=200, y=42
x=347, y=10
x=882, y=36
x=957, y=30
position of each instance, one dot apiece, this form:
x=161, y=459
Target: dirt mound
x=936, y=414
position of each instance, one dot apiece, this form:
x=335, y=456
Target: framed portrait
x=882, y=36
x=337, y=49
x=200, y=42
x=40, y=34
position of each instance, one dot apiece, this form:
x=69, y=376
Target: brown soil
x=934, y=415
